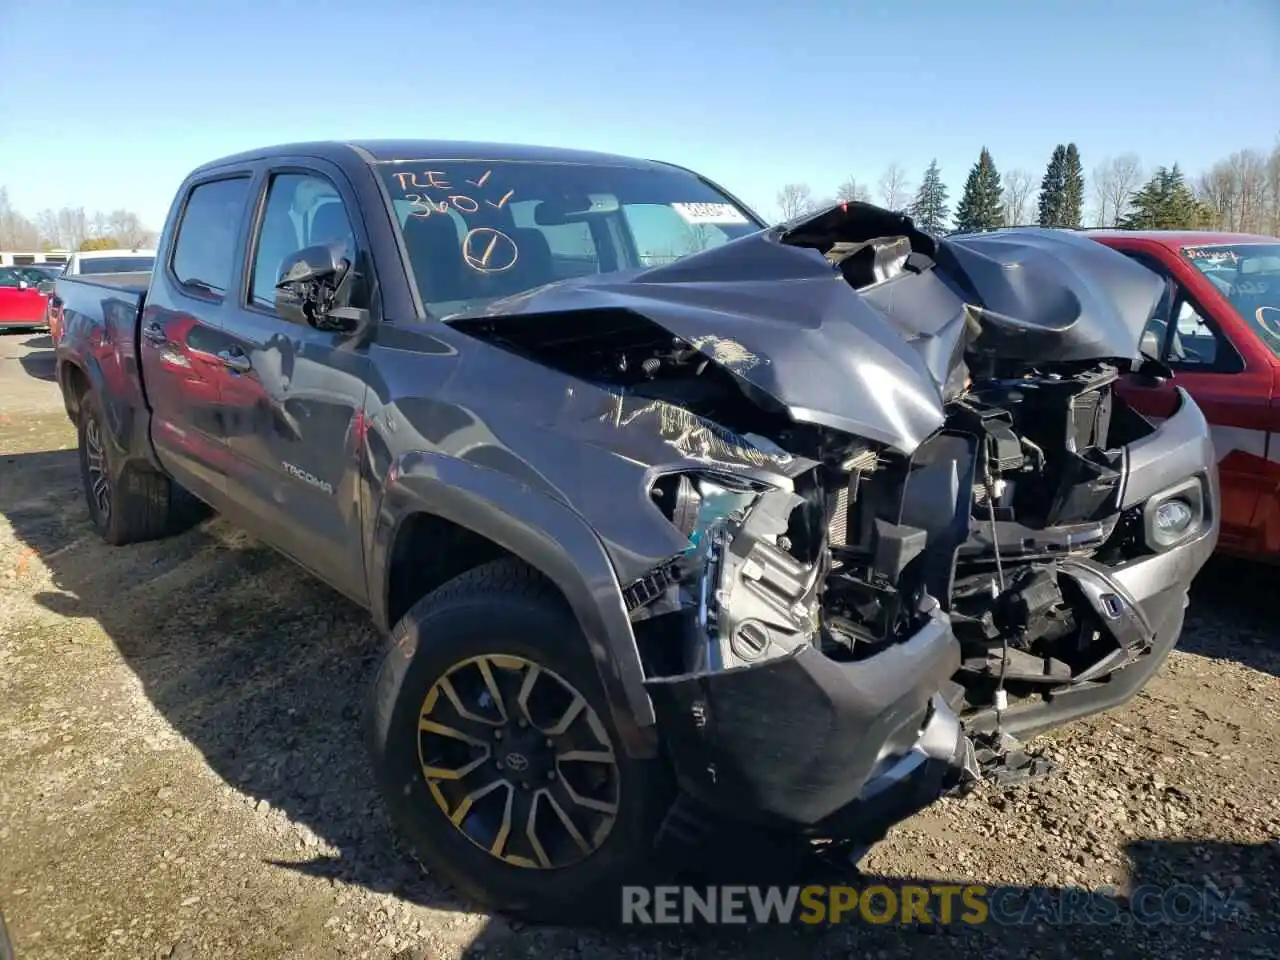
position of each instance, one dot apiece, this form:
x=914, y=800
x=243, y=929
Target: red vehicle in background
x=1218, y=330
x=22, y=302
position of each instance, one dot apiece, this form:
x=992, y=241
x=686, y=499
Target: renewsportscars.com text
x=974, y=904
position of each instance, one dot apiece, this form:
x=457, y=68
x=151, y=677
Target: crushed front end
x=902, y=513
x=846, y=636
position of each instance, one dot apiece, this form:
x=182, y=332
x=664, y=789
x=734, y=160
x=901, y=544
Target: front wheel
x=497, y=756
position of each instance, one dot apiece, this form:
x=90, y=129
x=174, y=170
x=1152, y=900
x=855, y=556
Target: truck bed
x=99, y=334
x=135, y=280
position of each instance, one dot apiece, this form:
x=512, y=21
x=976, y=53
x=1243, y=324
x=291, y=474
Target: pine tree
x=930, y=210
x=1165, y=202
x=1053, y=188
x=1073, y=188
x=982, y=205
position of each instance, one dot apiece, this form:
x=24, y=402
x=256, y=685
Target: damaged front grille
x=982, y=522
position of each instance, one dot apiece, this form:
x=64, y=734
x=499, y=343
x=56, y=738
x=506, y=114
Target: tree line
x=70, y=228
x=1240, y=193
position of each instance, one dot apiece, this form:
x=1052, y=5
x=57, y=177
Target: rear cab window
x=476, y=230
x=205, y=245
x=91, y=265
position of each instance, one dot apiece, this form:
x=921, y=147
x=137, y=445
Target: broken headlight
x=695, y=502
x=1174, y=515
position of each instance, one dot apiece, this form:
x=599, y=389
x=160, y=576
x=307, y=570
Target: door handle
x=235, y=360
x=154, y=333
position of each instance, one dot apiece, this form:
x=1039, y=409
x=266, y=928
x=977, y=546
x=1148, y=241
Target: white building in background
x=23, y=258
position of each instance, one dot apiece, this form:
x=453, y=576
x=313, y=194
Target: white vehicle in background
x=89, y=262
x=106, y=267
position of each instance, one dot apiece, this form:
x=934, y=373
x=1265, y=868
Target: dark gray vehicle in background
x=674, y=520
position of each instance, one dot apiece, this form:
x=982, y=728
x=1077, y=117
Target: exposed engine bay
x=984, y=520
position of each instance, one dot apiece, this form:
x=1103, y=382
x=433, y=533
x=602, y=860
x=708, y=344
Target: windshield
x=1248, y=275
x=479, y=230
x=116, y=264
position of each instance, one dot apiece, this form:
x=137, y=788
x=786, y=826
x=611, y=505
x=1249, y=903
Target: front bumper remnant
x=798, y=738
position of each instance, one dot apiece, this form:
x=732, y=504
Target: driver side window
x=1179, y=334
x=1193, y=343
x=302, y=210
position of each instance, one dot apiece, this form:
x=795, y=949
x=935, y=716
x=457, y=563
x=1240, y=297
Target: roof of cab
x=380, y=151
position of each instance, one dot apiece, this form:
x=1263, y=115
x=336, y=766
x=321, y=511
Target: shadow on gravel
x=41, y=364
x=1183, y=899
x=1233, y=614
x=43, y=342
x=264, y=670
x=261, y=667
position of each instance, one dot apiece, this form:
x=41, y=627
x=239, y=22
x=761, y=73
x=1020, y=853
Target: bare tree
x=99, y=225
x=1216, y=190
x=127, y=229
x=1100, y=180
x=895, y=192
x=852, y=190
x=1239, y=191
x=1250, y=170
x=1273, y=191
x=47, y=224
x=16, y=231
x=1017, y=197
x=1125, y=176
x=794, y=199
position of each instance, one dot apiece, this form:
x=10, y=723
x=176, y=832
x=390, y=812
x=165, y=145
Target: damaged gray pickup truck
x=673, y=519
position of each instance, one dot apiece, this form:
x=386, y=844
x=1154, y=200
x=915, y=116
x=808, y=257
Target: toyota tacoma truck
x=674, y=520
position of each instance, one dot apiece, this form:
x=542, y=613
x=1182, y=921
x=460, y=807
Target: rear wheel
x=127, y=502
x=497, y=755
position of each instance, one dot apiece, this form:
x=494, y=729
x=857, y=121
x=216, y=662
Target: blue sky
x=108, y=103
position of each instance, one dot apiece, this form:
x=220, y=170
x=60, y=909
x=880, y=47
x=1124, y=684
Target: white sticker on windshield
x=710, y=213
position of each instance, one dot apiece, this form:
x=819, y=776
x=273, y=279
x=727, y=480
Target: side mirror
x=23, y=285
x=309, y=282
x=308, y=279
x=47, y=287
x=318, y=264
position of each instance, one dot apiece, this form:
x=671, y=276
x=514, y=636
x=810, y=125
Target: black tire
x=128, y=503
x=507, y=610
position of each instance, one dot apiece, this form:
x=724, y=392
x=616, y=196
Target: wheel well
x=428, y=552
x=75, y=383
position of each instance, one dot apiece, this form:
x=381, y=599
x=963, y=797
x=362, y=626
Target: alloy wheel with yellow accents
x=518, y=761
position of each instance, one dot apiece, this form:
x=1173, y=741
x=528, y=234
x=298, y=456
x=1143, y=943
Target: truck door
x=180, y=337
x=295, y=399
x=1233, y=390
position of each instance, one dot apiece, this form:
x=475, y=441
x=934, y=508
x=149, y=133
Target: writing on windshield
x=434, y=192
x=1248, y=277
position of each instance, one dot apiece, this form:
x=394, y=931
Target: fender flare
x=127, y=417
x=544, y=533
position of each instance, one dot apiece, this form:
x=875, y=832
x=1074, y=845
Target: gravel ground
x=182, y=775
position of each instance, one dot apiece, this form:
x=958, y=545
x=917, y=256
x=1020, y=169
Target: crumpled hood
x=775, y=312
